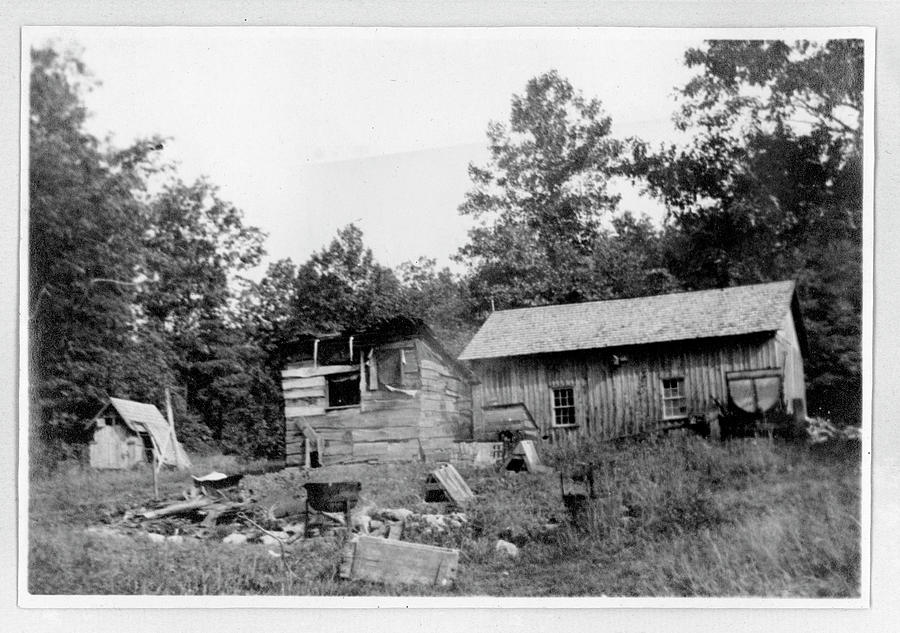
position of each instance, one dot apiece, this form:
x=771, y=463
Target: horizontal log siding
x=441, y=390
x=616, y=401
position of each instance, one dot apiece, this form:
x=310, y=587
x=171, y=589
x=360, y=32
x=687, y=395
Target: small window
x=674, y=401
x=343, y=390
x=564, y=407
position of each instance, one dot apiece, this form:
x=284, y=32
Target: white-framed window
x=563, y=406
x=674, y=400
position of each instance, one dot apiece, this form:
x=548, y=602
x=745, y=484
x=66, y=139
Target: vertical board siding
x=616, y=401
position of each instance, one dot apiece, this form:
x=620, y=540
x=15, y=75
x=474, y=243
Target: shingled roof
x=642, y=320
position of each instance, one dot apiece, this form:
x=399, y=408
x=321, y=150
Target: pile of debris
x=386, y=545
x=820, y=430
x=219, y=507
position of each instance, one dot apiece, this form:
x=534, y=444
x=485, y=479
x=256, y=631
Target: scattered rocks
x=434, y=521
x=235, y=539
x=393, y=514
x=156, y=538
x=507, y=548
x=361, y=523
x=438, y=522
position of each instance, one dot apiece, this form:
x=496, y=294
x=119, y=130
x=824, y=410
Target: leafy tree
x=196, y=245
x=628, y=261
x=440, y=299
x=132, y=292
x=343, y=287
x=85, y=230
x=769, y=187
x=541, y=198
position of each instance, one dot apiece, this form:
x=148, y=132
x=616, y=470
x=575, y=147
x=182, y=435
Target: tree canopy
x=135, y=288
x=131, y=290
x=540, y=200
x=769, y=186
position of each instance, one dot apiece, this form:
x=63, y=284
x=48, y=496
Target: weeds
x=676, y=516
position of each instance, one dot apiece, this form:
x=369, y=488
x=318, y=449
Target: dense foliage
x=135, y=287
x=769, y=187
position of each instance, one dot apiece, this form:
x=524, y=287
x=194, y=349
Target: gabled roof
x=656, y=319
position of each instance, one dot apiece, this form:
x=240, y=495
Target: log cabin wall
x=613, y=401
x=446, y=403
x=421, y=413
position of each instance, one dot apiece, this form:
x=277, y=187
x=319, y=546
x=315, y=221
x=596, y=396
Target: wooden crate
x=395, y=562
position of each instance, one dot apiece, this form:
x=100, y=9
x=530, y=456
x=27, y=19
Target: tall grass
x=676, y=516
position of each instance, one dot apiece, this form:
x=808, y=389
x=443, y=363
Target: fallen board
x=446, y=479
x=395, y=562
x=526, y=454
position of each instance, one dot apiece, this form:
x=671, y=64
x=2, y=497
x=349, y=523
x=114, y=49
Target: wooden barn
x=616, y=368
x=391, y=392
x=128, y=433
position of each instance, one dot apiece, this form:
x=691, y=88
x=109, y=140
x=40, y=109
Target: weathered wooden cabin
x=128, y=433
x=621, y=367
x=391, y=392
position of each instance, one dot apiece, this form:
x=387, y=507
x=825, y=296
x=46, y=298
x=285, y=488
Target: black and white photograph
x=380, y=316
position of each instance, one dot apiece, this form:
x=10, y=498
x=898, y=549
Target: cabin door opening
x=148, y=447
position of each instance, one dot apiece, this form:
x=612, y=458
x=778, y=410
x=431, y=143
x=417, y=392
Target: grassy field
x=676, y=517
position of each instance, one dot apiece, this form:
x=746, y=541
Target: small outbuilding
x=128, y=433
x=616, y=368
x=383, y=393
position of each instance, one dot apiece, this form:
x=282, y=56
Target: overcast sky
x=307, y=130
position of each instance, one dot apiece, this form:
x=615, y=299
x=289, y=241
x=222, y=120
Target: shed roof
x=656, y=319
x=140, y=418
x=385, y=331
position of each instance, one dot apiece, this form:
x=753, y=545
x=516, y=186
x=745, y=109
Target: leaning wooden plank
x=452, y=483
x=396, y=562
x=459, y=481
x=530, y=452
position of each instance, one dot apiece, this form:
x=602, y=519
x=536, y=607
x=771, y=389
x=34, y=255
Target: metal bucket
x=332, y=497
